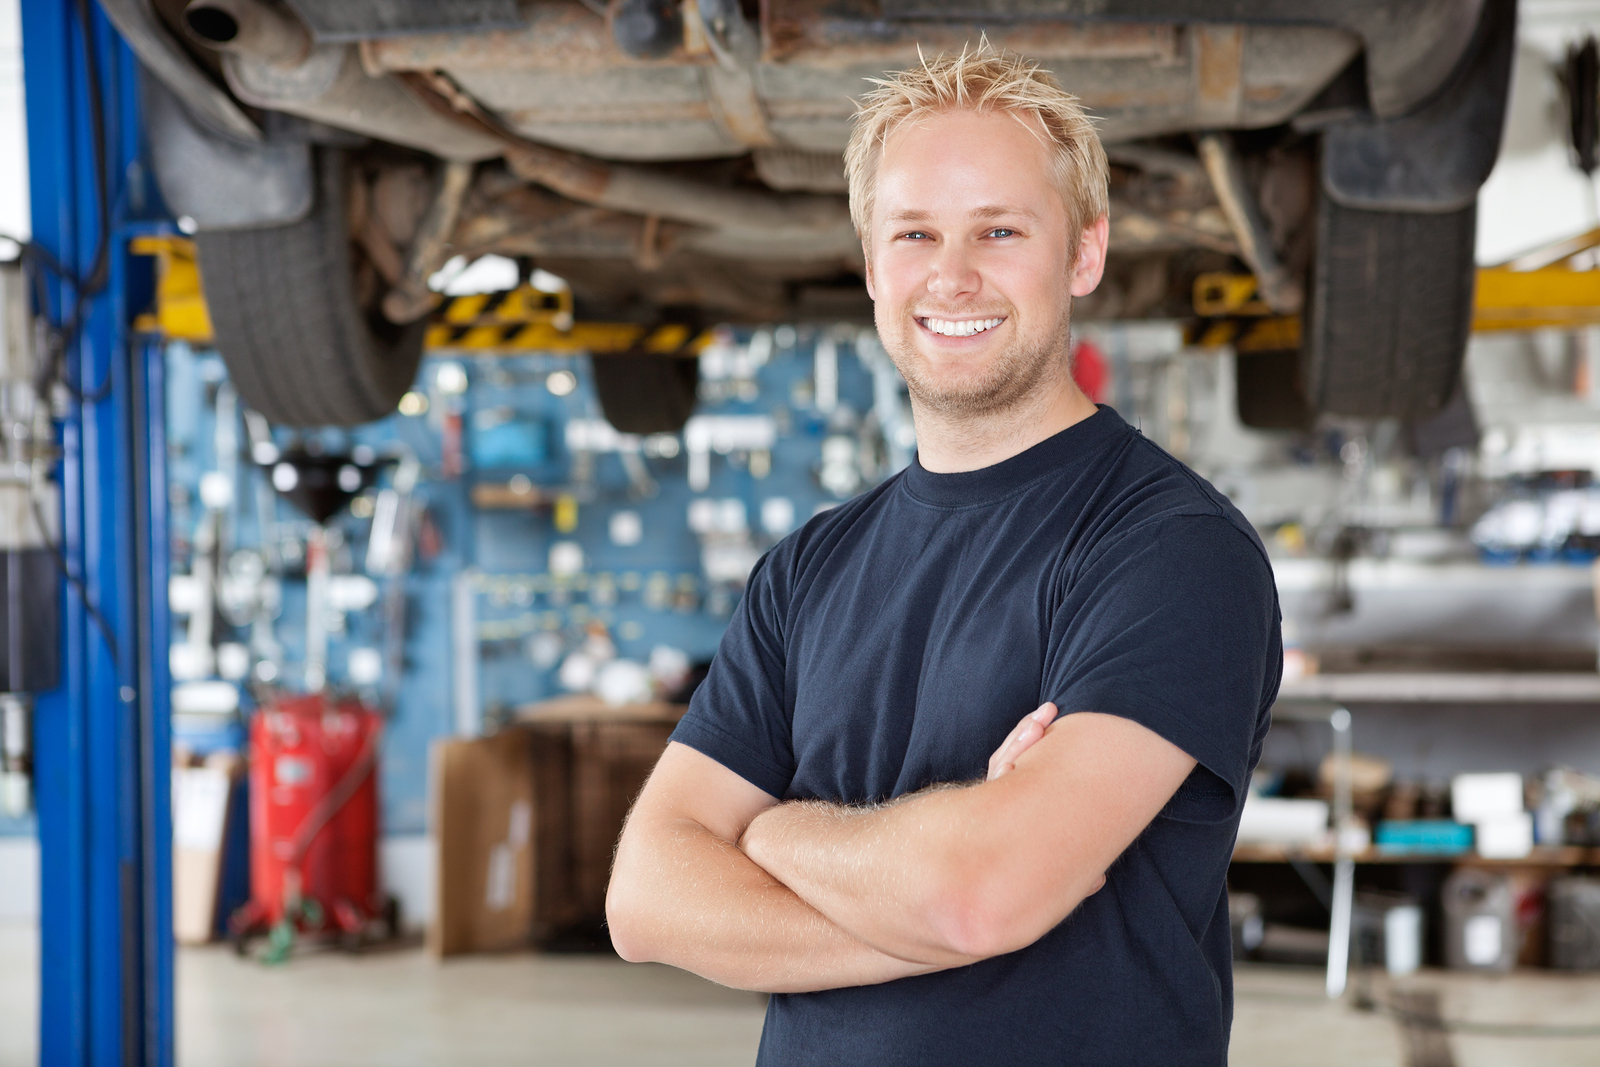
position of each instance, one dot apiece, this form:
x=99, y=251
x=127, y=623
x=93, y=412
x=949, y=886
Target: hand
x=1022, y=738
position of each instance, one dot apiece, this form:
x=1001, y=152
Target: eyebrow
x=987, y=211
x=997, y=211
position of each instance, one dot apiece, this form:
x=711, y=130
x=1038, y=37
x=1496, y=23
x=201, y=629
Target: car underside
x=683, y=160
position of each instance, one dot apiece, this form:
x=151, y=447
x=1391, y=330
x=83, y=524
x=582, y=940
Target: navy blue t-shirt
x=894, y=641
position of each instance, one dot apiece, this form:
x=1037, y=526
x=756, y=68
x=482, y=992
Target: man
x=850, y=816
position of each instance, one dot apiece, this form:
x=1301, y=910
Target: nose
x=953, y=275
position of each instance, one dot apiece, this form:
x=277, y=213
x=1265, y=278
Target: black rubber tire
x=391, y=916
x=647, y=394
x=1390, y=310
x=1269, y=391
x=299, y=346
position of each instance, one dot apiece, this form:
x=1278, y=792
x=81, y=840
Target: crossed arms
x=717, y=877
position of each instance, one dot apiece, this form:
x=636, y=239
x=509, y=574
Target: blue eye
x=1002, y=231
x=914, y=233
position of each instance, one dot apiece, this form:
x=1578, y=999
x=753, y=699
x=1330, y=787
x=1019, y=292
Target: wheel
x=295, y=312
x=1270, y=393
x=646, y=394
x=391, y=916
x=247, y=922
x=1390, y=310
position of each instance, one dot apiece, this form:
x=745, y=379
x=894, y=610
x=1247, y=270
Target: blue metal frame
x=102, y=754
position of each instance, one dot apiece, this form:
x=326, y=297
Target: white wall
x=407, y=863
x=19, y=879
x=13, y=132
x=1535, y=195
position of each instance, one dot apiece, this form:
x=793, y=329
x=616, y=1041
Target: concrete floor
x=402, y=1008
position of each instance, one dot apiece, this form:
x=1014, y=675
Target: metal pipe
x=1278, y=288
x=317, y=609
x=1344, y=868
x=249, y=27
x=464, y=654
x=330, y=87
x=643, y=192
x=410, y=299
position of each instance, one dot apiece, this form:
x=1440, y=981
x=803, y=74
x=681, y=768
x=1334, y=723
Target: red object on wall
x=314, y=814
x=1090, y=371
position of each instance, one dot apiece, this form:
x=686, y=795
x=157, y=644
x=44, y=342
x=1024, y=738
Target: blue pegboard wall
x=535, y=526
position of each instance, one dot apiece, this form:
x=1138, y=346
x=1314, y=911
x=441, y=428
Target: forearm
x=954, y=874
x=884, y=875
x=682, y=896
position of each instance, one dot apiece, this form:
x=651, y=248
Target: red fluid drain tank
x=314, y=811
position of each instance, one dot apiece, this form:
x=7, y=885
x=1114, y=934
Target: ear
x=1091, y=257
x=866, y=257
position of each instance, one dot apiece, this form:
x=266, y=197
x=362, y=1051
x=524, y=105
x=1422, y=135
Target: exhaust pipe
x=249, y=27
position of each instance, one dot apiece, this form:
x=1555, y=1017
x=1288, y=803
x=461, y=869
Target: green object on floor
x=280, y=942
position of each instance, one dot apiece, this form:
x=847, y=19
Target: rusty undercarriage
x=684, y=157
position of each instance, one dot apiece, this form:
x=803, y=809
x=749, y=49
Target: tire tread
x=286, y=321
x=1391, y=310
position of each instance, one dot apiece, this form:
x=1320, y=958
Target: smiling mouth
x=958, y=327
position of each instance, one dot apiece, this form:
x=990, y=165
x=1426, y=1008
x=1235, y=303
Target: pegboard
x=507, y=489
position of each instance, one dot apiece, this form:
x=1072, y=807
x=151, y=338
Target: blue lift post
x=102, y=760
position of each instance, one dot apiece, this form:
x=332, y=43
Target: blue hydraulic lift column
x=101, y=750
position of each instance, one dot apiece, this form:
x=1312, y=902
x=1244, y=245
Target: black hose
x=331, y=804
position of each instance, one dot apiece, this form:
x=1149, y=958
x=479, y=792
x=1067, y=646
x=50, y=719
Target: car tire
x=1390, y=310
x=301, y=345
x=1269, y=394
x=647, y=394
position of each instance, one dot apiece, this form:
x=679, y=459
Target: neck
x=952, y=442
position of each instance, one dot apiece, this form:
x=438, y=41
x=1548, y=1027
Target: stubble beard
x=1016, y=372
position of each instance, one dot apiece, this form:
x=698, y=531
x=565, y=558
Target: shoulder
x=1162, y=517
x=1160, y=499
x=818, y=537
x=785, y=571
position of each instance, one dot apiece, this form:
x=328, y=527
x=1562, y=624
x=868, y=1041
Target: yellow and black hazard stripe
x=596, y=338
x=532, y=320
x=1271, y=334
x=523, y=319
x=523, y=304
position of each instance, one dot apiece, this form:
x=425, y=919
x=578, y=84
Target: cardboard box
x=527, y=820
x=201, y=802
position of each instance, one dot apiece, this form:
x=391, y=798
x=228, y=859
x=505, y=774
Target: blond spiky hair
x=979, y=79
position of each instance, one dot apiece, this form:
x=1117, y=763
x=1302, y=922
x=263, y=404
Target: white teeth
x=965, y=328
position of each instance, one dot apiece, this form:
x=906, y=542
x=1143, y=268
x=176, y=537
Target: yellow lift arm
x=524, y=319
x=1554, y=286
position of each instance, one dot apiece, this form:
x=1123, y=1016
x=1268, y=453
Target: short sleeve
x=1175, y=625
x=740, y=715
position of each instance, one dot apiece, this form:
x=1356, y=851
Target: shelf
x=1498, y=687
x=1565, y=856
x=583, y=708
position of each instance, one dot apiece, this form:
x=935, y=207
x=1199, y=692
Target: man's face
x=967, y=261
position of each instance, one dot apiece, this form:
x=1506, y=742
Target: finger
x=1030, y=729
x=1027, y=731
x=1022, y=737
x=1015, y=743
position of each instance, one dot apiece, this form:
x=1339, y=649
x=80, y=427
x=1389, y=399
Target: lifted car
x=680, y=161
